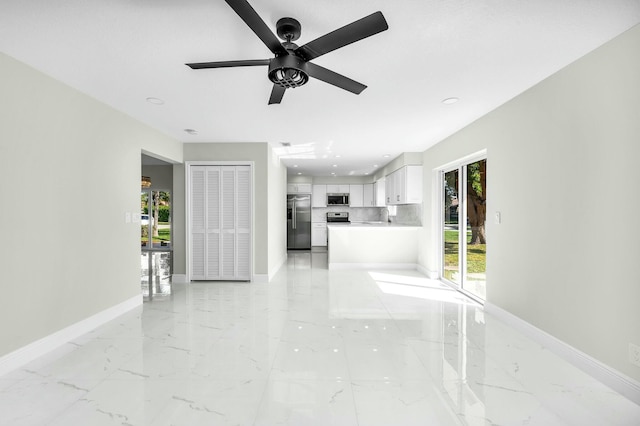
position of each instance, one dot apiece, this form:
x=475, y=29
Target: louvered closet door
x=213, y=269
x=198, y=223
x=220, y=222
x=228, y=223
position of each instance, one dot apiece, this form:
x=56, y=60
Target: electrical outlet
x=634, y=354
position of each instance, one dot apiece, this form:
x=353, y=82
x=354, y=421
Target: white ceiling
x=484, y=52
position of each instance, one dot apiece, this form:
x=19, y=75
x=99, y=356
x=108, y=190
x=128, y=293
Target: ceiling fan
x=290, y=68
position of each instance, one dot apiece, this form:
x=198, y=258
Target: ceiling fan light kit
x=290, y=68
x=288, y=71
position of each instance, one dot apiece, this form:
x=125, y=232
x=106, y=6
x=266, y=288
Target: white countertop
x=371, y=225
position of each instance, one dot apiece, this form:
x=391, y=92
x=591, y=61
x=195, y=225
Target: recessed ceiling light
x=191, y=131
x=295, y=165
x=338, y=155
x=450, y=101
x=335, y=165
x=386, y=156
x=375, y=165
x=366, y=173
x=333, y=173
x=155, y=101
x=299, y=173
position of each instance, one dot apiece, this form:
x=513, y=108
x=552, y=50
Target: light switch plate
x=634, y=354
x=497, y=218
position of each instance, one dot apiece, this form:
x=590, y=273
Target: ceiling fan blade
x=355, y=31
x=257, y=25
x=227, y=64
x=276, y=94
x=339, y=80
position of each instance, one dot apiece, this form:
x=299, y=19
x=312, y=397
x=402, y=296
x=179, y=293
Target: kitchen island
x=375, y=245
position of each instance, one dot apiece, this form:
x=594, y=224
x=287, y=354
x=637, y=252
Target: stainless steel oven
x=337, y=199
x=338, y=217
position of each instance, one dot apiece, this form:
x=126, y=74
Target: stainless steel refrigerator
x=299, y=221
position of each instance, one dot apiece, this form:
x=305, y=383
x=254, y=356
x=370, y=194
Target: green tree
x=476, y=200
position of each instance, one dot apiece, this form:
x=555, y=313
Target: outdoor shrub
x=164, y=213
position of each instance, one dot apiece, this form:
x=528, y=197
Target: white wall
x=277, y=213
x=69, y=171
x=563, y=170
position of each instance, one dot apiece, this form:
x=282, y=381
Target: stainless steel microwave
x=337, y=199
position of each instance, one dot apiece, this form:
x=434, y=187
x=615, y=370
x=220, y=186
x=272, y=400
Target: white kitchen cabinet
x=319, y=196
x=337, y=189
x=356, y=196
x=319, y=234
x=299, y=188
x=369, y=195
x=389, y=188
x=379, y=196
x=219, y=212
x=404, y=186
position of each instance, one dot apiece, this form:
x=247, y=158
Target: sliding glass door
x=464, y=242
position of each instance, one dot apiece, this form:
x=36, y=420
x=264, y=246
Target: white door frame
x=187, y=210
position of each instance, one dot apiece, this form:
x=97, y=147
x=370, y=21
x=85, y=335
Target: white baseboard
x=260, y=278
x=611, y=377
x=432, y=275
x=179, y=278
x=26, y=354
x=342, y=266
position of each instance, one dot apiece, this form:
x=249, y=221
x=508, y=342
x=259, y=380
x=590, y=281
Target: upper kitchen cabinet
x=369, y=195
x=319, y=196
x=356, y=198
x=337, y=189
x=299, y=188
x=379, y=195
x=404, y=186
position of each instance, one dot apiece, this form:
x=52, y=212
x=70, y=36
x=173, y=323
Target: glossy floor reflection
x=313, y=347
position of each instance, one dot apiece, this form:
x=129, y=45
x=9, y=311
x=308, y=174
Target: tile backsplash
x=409, y=214
x=356, y=214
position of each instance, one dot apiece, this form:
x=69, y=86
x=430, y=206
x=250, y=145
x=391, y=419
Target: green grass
x=163, y=235
x=476, y=254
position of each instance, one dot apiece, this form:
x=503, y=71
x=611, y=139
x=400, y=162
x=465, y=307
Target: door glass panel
x=476, y=241
x=451, y=256
x=155, y=219
x=161, y=219
x=144, y=218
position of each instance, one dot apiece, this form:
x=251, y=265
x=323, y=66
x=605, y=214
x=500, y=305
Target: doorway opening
x=463, y=236
x=156, y=239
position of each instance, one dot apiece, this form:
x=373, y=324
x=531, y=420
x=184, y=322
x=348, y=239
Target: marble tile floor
x=312, y=347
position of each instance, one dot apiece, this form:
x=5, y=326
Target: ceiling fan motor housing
x=288, y=71
x=288, y=29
